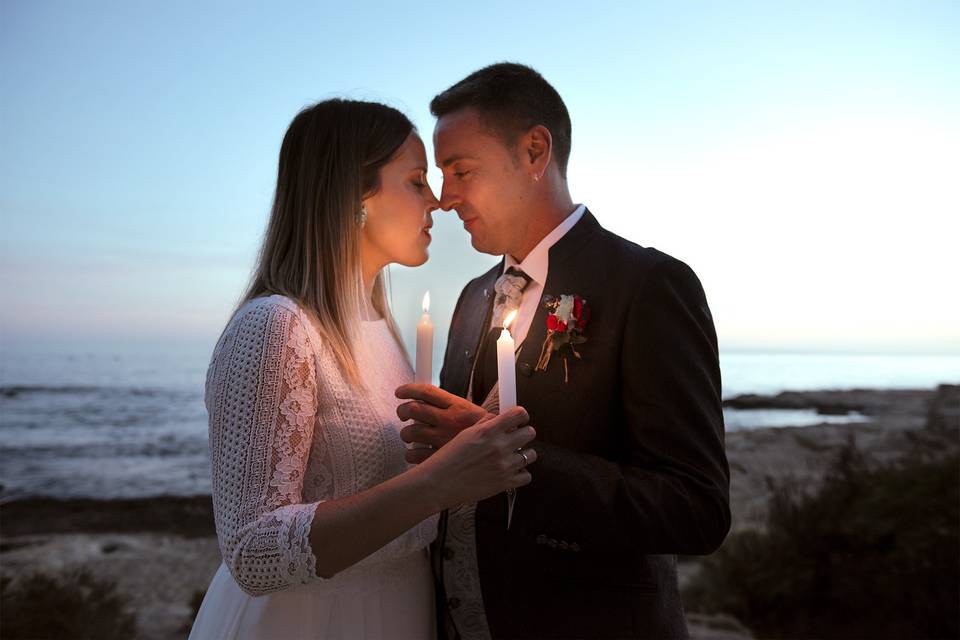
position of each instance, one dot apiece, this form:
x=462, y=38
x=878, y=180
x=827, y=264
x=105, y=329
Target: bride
x=323, y=527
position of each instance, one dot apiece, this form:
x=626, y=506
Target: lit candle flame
x=509, y=319
x=426, y=302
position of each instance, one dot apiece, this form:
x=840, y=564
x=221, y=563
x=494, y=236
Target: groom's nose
x=448, y=197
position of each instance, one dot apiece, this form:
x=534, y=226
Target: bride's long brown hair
x=330, y=161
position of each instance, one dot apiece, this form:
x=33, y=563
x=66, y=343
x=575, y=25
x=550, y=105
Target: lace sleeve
x=261, y=399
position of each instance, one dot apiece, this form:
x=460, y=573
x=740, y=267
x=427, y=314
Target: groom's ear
x=537, y=149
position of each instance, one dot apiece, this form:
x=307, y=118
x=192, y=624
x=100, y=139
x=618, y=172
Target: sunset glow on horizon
x=802, y=160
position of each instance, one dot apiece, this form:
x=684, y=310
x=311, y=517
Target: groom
x=617, y=366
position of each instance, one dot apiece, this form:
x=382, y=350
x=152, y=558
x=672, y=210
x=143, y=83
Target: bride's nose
x=432, y=203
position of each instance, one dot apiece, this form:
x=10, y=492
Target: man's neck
x=541, y=223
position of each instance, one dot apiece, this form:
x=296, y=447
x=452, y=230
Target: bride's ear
x=538, y=148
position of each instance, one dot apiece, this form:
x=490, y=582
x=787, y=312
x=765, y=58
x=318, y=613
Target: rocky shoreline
x=162, y=551
x=869, y=402
x=189, y=517
x=902, y=423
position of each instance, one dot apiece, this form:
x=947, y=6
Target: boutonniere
x=566, y=322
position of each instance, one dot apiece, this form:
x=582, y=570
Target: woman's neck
x=370, y=273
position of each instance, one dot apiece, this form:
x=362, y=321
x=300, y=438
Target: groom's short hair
x=511, y=98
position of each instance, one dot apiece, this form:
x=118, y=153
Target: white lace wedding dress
x=287, y=432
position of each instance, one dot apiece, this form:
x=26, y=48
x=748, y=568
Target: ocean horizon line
x=11, y=342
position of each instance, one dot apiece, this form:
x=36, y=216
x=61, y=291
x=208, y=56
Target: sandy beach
x=162, y=551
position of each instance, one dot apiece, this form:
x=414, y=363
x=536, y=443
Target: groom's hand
x=438, y=416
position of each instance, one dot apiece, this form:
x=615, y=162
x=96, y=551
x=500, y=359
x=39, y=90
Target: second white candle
x=507, y=366
x=424, y=363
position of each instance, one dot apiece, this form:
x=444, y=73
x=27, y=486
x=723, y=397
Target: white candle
x=507, y=366
x=424, y=371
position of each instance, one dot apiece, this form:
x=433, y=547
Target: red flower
x=575, y=315
x=579, y=316
x=583, y=317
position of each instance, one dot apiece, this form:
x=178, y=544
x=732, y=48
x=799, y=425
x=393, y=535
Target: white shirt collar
x=537, y=262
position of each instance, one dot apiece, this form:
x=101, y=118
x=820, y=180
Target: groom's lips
x=467, y=222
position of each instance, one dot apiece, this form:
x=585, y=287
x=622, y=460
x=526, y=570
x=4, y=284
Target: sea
x=131, y=423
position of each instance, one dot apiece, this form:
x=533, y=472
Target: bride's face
x=398, y=215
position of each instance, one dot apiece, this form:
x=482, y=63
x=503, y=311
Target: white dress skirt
x=287, y=432
x=401, y=609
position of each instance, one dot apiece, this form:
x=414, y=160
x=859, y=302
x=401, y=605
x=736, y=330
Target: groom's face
x=482, y=180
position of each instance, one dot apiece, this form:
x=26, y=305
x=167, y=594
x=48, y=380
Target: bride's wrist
x=425, y=487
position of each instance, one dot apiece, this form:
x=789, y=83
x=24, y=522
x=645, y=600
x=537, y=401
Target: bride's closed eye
x=420, y=181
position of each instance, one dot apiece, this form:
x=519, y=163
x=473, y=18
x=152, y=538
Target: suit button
x=447, y=553
x=466, y=353
x=453, y=603
x=526, y=369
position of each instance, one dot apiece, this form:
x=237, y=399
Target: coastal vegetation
x=872, y=553
x=73, y=604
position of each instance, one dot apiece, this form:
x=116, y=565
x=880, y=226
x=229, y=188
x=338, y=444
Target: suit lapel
x=562, y=276
x=473, y=320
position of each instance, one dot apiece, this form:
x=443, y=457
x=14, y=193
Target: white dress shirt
x=536, y=265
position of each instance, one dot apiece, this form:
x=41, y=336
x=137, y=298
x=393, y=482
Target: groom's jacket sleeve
x=667, y=488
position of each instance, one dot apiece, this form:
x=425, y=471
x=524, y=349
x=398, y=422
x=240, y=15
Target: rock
x=871, y=402
x=718, y=626
x=944, y=413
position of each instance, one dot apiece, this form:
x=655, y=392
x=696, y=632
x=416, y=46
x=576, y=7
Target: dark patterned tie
x=509, y=291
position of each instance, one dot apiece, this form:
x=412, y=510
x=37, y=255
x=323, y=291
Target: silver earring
x=362, y=216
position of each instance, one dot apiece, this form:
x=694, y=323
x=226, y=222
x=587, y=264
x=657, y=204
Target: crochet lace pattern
x=287, y=432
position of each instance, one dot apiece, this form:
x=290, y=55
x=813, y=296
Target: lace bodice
x=287, y=432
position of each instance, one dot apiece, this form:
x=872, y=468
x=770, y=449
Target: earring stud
x=362, y=216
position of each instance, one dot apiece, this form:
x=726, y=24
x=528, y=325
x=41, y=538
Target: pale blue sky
x=803, y=160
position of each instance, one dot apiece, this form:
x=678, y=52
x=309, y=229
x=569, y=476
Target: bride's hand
x=482, y=460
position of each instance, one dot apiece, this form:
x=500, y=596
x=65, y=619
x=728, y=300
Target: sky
x=802, y=158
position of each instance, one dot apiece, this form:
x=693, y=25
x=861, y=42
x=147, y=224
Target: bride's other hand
x=482, y=460
x=437, y=414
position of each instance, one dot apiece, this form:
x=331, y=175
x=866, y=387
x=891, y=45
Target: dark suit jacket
x=631, y=468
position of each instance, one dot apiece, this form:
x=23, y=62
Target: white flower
x=564, y=310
